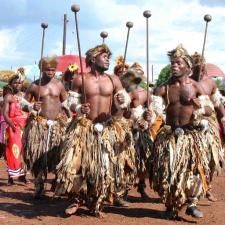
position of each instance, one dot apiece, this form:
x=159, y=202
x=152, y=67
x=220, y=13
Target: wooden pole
x=147, y=14
x=64, y=34
x=76, y=9
x=43, y=26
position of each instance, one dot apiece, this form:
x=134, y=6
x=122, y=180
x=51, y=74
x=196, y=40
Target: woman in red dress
x=15, y=118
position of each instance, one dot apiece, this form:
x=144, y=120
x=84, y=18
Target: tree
x=163, y=76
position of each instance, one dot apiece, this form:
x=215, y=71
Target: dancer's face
x=17, y=85
x=179, y=67
x=102, y=61
x=49, y=72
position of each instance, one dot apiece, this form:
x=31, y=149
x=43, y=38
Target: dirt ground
x=18, y=207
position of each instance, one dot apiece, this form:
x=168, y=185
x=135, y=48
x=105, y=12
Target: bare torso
x=99, y=91
x=179, y=98
x=51, y=96
x=208, y=85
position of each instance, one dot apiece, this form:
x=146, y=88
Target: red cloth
x=14, y=140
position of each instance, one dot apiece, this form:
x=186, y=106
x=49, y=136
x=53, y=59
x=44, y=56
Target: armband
x=73, y=98
x=217, y=98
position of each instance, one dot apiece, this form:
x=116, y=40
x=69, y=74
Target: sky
x=172, y=22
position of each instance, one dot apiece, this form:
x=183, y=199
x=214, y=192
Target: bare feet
x=99, y=214
x=210, y=196
x=120, y=202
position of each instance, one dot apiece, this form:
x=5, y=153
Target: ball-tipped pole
x=147, y=14
x=44, y=26
x=129, y=25
x=207, y=19
x=75, y=9
x=103, y=35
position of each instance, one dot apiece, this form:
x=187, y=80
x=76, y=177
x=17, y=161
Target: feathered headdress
x=19, y=74
x=197, y=59
x=119, y=64
x=119, y=60
x=133, y=76
x=138, y=68
x=180, y=52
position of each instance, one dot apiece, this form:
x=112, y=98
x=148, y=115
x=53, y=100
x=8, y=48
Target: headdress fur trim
x=180, y=52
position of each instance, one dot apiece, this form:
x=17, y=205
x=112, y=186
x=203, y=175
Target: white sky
x=172, y=22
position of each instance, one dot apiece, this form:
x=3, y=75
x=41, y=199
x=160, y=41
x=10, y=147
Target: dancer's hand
x=85, y=108
x=120, y=98
x=143, y=124
x=37, y=105
x=147, y=115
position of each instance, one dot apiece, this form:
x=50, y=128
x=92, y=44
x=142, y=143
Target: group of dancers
x=102, y=134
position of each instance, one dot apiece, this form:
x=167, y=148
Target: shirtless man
x=44, y=130
x=94, y=152
x=180, y=166
x=131, y=81
x=208, y=85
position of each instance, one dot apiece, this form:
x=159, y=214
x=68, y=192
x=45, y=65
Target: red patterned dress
x=14, y=140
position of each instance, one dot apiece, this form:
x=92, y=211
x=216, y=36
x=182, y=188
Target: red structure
x=214, y=71
x=65, y=60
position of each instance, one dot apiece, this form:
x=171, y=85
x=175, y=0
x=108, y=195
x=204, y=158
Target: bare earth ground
x=17, y=207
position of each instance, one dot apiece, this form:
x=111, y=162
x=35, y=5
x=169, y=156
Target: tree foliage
x=163, y=76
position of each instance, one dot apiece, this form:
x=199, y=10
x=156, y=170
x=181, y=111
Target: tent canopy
x=214, y=71
x=65, y=60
